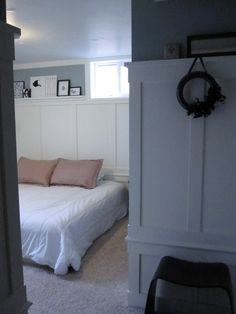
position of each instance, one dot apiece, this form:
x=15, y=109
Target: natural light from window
x=109, y=79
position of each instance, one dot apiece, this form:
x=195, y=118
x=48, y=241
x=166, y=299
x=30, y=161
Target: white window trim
x=118, y=63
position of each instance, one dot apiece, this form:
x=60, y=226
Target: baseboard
x=117, y=176
x=137, y=299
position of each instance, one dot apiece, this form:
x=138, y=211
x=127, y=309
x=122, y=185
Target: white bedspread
x=59, y=223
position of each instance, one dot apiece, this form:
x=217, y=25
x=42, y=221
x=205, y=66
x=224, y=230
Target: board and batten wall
x=75, y=128
x=182, y=173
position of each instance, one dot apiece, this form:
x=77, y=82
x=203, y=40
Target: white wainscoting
x=182, y=173
x=75, y=128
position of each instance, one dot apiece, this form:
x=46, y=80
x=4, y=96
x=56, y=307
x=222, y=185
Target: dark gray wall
x=157, y=23
x=75, y=73
x=12, y=289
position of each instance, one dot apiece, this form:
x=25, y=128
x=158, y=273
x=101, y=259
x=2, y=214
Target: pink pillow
x=35, y=171
x=77, y=172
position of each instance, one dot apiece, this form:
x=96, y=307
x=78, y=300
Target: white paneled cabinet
x=68, y=128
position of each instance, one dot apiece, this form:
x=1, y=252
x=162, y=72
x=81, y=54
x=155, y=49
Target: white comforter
x=59, y=223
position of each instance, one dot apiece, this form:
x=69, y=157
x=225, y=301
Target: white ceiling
x=72, y=29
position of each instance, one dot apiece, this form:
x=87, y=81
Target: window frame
x=119, y=63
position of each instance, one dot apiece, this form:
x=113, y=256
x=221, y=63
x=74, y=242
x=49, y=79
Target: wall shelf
x=69, y=99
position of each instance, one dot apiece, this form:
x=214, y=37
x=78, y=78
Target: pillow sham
x=77, y=172
x=35, y=171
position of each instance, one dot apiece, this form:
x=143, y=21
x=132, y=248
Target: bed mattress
x=59, y=223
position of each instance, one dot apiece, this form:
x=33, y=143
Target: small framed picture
x=75, y=91
x=18, y=89
x=63, y=87
x=221, y=44
x=26, y=93
x=171, y=51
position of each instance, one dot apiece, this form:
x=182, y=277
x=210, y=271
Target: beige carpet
x=100, y=286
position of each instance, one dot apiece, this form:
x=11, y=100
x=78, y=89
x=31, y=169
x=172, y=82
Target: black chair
x=192, y=274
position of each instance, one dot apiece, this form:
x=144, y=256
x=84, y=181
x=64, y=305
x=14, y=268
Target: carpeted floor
x=100, y=286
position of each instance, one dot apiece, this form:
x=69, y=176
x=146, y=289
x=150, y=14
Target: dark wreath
x=200, y=108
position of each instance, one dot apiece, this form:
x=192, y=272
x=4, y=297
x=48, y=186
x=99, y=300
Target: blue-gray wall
x=157, y=23
x=74, y=73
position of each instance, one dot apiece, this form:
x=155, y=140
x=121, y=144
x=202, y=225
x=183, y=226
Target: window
x=109, y=79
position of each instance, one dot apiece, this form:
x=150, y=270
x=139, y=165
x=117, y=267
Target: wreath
x=200, y=108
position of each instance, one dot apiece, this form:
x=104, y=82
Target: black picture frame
x=63, y=87
x=221, y=44
x=18, y=87
x=26, y=93
x=75, y=91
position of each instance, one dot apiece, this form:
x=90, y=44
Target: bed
x=59, y=223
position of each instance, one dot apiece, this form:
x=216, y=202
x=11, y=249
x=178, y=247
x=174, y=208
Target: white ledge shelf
x=60, y=100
